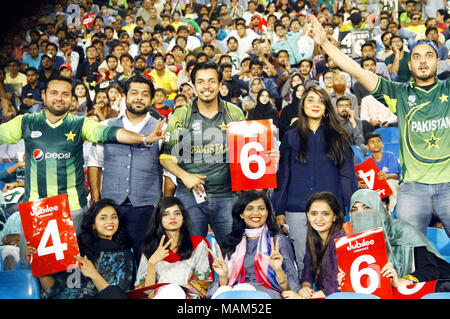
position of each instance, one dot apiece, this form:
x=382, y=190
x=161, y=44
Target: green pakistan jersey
x=200, y=145
x=424, y=128
x=54, y=153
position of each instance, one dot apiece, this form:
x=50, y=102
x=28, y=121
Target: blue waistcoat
x=132, y=171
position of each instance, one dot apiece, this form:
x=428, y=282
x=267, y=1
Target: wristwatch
x=144, y=141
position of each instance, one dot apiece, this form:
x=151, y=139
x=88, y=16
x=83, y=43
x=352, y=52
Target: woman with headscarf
x=254, y=86
x=264, y=108
x=289, y=114
x=412, y=258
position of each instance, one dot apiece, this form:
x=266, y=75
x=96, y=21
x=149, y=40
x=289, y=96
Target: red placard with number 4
x=248, y=143
x=48, y=227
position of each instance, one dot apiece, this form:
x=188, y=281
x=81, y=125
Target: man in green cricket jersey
x=195, y=150
x=423, y=112
x=54, y=147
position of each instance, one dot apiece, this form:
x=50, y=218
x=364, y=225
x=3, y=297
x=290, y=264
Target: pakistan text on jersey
x=430, y=125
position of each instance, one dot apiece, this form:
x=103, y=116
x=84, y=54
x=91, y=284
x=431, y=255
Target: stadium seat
x=243, y=294
x=393, y=148
x=359, y=156
x=2, y=268
x=18, y=284
x=437, y=295
x=389, y=135
x=351, y=295
x=438, y=237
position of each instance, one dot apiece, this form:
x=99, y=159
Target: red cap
x=65, y=65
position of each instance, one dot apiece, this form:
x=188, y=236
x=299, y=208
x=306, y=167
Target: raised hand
x=219, y=264
x=157, y=133
x=275, y=258
x=316, y=32
x=161, y=252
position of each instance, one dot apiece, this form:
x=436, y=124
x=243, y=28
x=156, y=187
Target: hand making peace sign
x=219, y=264
x=161, y=252
x=275, y=258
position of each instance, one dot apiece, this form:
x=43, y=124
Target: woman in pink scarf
x=255, y=253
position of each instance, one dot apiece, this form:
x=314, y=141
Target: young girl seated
x=170, y=255
x=325, y=219
x=106, y=261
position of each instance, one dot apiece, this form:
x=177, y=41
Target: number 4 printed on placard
x=58, y=248
x=368, y=177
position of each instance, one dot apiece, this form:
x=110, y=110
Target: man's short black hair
x=371, y=135
x=140, y=79
x=206, y=66
x=367, y=59
x=31, y=69
x=60, y=78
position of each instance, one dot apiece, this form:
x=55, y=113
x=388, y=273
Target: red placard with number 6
x=48, y=227
x=361, y=257
x=248, y=143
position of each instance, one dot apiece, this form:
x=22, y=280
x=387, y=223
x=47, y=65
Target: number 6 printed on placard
x=356, y=274
x=58, y=248
x=246, y=160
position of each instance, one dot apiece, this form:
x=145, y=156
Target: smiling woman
x=255, y=253
x=315, y=156
x=106, y=262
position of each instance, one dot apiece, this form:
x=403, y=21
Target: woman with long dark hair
x=85, y=104
x=106, y=262
x=170, y=255
x=314, y=156
x=325, y=221
x=255, y=254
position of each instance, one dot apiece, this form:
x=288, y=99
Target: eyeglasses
x=415, y=19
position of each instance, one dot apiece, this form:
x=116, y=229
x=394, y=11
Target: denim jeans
x=215, y=211
x=417, y=203
x=136, y=220
x=297, y=223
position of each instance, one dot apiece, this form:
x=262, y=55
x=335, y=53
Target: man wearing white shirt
x=192, y=42
x=130, y=174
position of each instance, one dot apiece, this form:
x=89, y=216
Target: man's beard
x=339, y=88
x=134, y=111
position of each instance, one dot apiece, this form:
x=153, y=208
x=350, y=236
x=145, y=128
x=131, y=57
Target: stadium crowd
x=137, y=82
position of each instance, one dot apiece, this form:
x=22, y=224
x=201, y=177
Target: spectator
x=351, y=122
x=340, y=89
x=273, y=270
x=412, y=258
x=172, y=255
x=421, y=180
x=213, y=177
x=315, y=157
x=85, y=104
x=388, y=164
x=264, y=109
x=163, y=78
x=31, y=93
x=325, y=220
x=289, y=114
x=255, y=85
x=160, y=105
x=15, y=78
x=102, y=107
x=33, y=58
x=106, y=264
